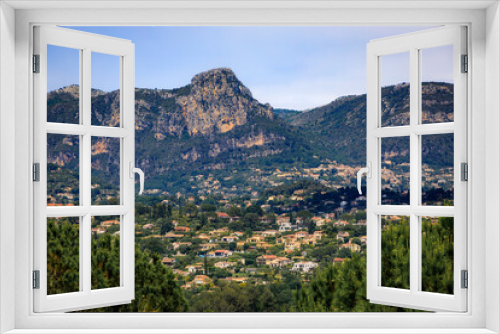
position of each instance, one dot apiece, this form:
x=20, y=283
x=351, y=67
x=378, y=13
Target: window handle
x=134, y=170
x=365, y=170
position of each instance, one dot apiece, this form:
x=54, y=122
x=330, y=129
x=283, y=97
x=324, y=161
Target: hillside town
x=207, y=242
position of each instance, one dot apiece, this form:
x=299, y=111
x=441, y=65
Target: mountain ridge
x=215, y=124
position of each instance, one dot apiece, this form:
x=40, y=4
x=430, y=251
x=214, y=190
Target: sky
x=296, y=67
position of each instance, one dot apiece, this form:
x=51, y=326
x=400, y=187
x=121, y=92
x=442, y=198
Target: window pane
x=63, y=183
x=395, y=171
x=63, y=255
x=105, y=252
x=63, y=84
x=105, y=89
x=437, y=254
x=395, y=92
x=395, y=251
x=437, y=170
x=105, y=171
x=437, y=84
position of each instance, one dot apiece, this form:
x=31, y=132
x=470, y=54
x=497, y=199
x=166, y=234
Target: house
x=223, y=215
x=292, y=246
x=182, y=229
x=108, y=223
x=286, y=238
x=201, y=279
x=186, y=286
x=280, y=262
x=338, y=260
x=98, y=230
x=220, y=253
x=238, y=234
x=223, y=264
x=254, y=239
x=176, y=245
x=168, y=261
x=318, y=221
x=285, y=227
x=181, y=272
x=304, y=266
x=251, y=271
x=319, y=234
x=219, y=231
x=229, y=239
x=270, y=233
x=237, y=279
x=171, y=235
x=264, y=245
x=148, y=226
x=341, y=223
x=341, y=235
x=203, y=237
x=311, y=240
x=301, y=234
x=283, y=220
x=265, y=259
x=363, y=239
x=205, y=247
x=351, y=247
x=193, y=269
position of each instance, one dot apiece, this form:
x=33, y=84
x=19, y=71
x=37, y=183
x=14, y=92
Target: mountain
x=214, y=126
x=338, y=129
x=286, y=113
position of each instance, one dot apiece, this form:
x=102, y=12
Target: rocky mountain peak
x=218, y=79
x=218, y=102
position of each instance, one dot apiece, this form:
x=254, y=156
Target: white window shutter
x=84, y=295
x=415, y=297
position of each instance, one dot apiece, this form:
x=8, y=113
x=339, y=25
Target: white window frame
x=484, y=102
x=86, y=44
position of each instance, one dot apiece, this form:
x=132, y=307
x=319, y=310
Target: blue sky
x=288, y=67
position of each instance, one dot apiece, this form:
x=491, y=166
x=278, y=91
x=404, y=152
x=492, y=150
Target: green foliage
x=63, y=248
x=156, y=289
x=396, y=253
x=244, y=297
x=437, y=255
x=339, y=288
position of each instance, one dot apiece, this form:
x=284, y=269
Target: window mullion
x=85, y=166
x=415, y=178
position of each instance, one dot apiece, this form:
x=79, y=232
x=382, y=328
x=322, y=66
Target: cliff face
x=209, y=124
x=218, y=102
x=215, y=102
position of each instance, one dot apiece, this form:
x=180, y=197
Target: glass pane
x=105, y=171
x=437, y=254
x=63, y=255
x=437, y=84
x=395, y=171
x=105, y=89
x=63, y=84
x=105, y=252
x=63, y=174
x=437, y=169
x=395, y=252
x=395, y=92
